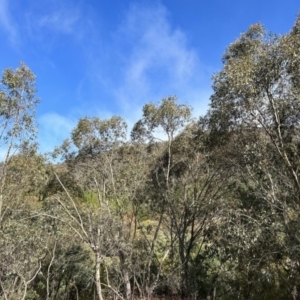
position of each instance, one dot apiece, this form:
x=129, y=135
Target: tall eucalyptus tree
x=17, y=117
x=254, y=116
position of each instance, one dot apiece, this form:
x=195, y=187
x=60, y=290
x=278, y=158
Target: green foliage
x=169, y=116
x=202, y=210
x=93, y=134
x=17, y=105
x=253, y=124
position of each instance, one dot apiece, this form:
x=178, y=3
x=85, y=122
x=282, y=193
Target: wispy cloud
x=61, y=20
x=7, y=23
x=48, y=24
x=158, y=45
x=158, y=60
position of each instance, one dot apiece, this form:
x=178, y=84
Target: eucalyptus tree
x=160, y=125
x=20, y=235
x=92, y=223
x=198, y=207
x=23, y=242
x=109, y=171
x=254, y=114
x=17, y=117
x=257, y=91
x=186, y=190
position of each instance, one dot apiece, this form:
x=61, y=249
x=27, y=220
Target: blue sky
x=110, y=57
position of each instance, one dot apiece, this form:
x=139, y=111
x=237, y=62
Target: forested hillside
x=174, y=208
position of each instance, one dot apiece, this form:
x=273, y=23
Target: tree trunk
x=97, y=275
x=127, y=284
x=125, y=275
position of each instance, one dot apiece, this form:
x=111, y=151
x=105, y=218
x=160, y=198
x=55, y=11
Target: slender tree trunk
x=49, y=272
x=125, y=275
x=97, y=275
x=127, y=284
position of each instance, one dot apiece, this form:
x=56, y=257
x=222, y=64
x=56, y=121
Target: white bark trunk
x=98, y=275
